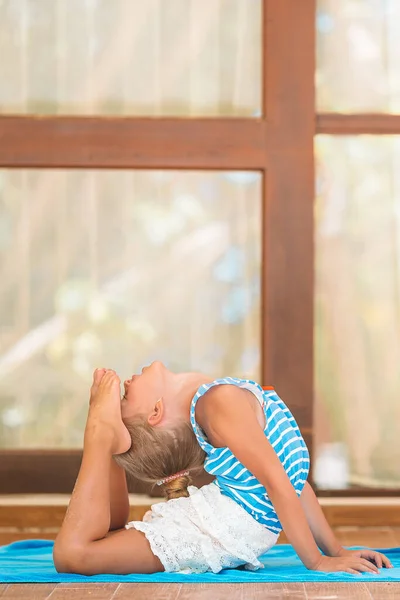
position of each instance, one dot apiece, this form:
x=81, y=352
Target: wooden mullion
x=288, y=260
x=357, y=124
x=132, y=143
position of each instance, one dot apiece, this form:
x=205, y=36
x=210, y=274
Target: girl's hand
x=379, y=559
x=104, y=420
x=348, y=563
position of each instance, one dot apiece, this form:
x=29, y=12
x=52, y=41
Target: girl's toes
x=97, y=377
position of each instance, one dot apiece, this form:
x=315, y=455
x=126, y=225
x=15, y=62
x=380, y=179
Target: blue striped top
x=281, y=430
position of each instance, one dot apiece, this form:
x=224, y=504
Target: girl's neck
x=186, y=386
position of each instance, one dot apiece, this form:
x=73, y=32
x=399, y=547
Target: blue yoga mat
x=31, y=561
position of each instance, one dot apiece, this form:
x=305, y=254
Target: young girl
x=165, y=429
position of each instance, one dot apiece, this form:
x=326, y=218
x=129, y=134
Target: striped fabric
x=283, y=433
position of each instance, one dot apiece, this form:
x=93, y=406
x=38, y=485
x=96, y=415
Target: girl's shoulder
x=220, y=389
x=229, y=388
x=224, y=382
x=217, y=389
x=221, y=401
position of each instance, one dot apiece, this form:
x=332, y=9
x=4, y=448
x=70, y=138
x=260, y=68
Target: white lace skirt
x=205, y=532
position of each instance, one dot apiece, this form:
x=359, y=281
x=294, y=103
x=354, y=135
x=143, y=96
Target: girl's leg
x=125, y=551
x=82, y=545
x=119, y=498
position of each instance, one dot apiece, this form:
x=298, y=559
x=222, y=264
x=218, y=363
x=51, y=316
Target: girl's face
x=142, y=391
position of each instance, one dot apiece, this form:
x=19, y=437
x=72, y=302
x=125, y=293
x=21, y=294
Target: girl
x=167, y=427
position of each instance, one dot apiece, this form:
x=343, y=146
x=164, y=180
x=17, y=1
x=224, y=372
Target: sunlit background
x=117, y=268
x=132, y=57
x=357, y=236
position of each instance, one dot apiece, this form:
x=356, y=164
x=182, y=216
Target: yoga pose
x=168, y=427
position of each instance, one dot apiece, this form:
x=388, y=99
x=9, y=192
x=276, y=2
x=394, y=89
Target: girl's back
x=281, y=430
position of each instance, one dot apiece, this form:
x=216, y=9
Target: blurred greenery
x=357, y=303
x=358, y=56
x=116, y=269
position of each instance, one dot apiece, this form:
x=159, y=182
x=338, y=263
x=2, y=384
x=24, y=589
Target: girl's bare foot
x=105, y=411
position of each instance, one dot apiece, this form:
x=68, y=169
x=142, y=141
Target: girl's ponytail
x=177, y=487
x=167, y=456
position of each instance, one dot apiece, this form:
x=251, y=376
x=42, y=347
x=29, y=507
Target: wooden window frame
x=279, y=145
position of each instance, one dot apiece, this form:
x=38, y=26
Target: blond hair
x=159, y=452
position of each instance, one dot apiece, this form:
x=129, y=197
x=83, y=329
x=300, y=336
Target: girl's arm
x=318, y=524
x=229, y=420
x=324, y=535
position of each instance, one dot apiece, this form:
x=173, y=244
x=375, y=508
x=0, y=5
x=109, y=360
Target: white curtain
x=357, y=306
x=120, y=268
x=131, y=57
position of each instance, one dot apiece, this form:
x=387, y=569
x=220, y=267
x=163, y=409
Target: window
x=131, y=58
x=248, y=97
x=119, y=268
x=357, y=339
x=358, y=58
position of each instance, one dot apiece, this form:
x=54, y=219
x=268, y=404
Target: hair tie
x=172, y=477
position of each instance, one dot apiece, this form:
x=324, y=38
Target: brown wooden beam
x=288, y=285
x=38, y=471
x=340, y=124
x=358, y=491
x=41, y=516
x=132, y=143
x=47, y=512
x=54, y=472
